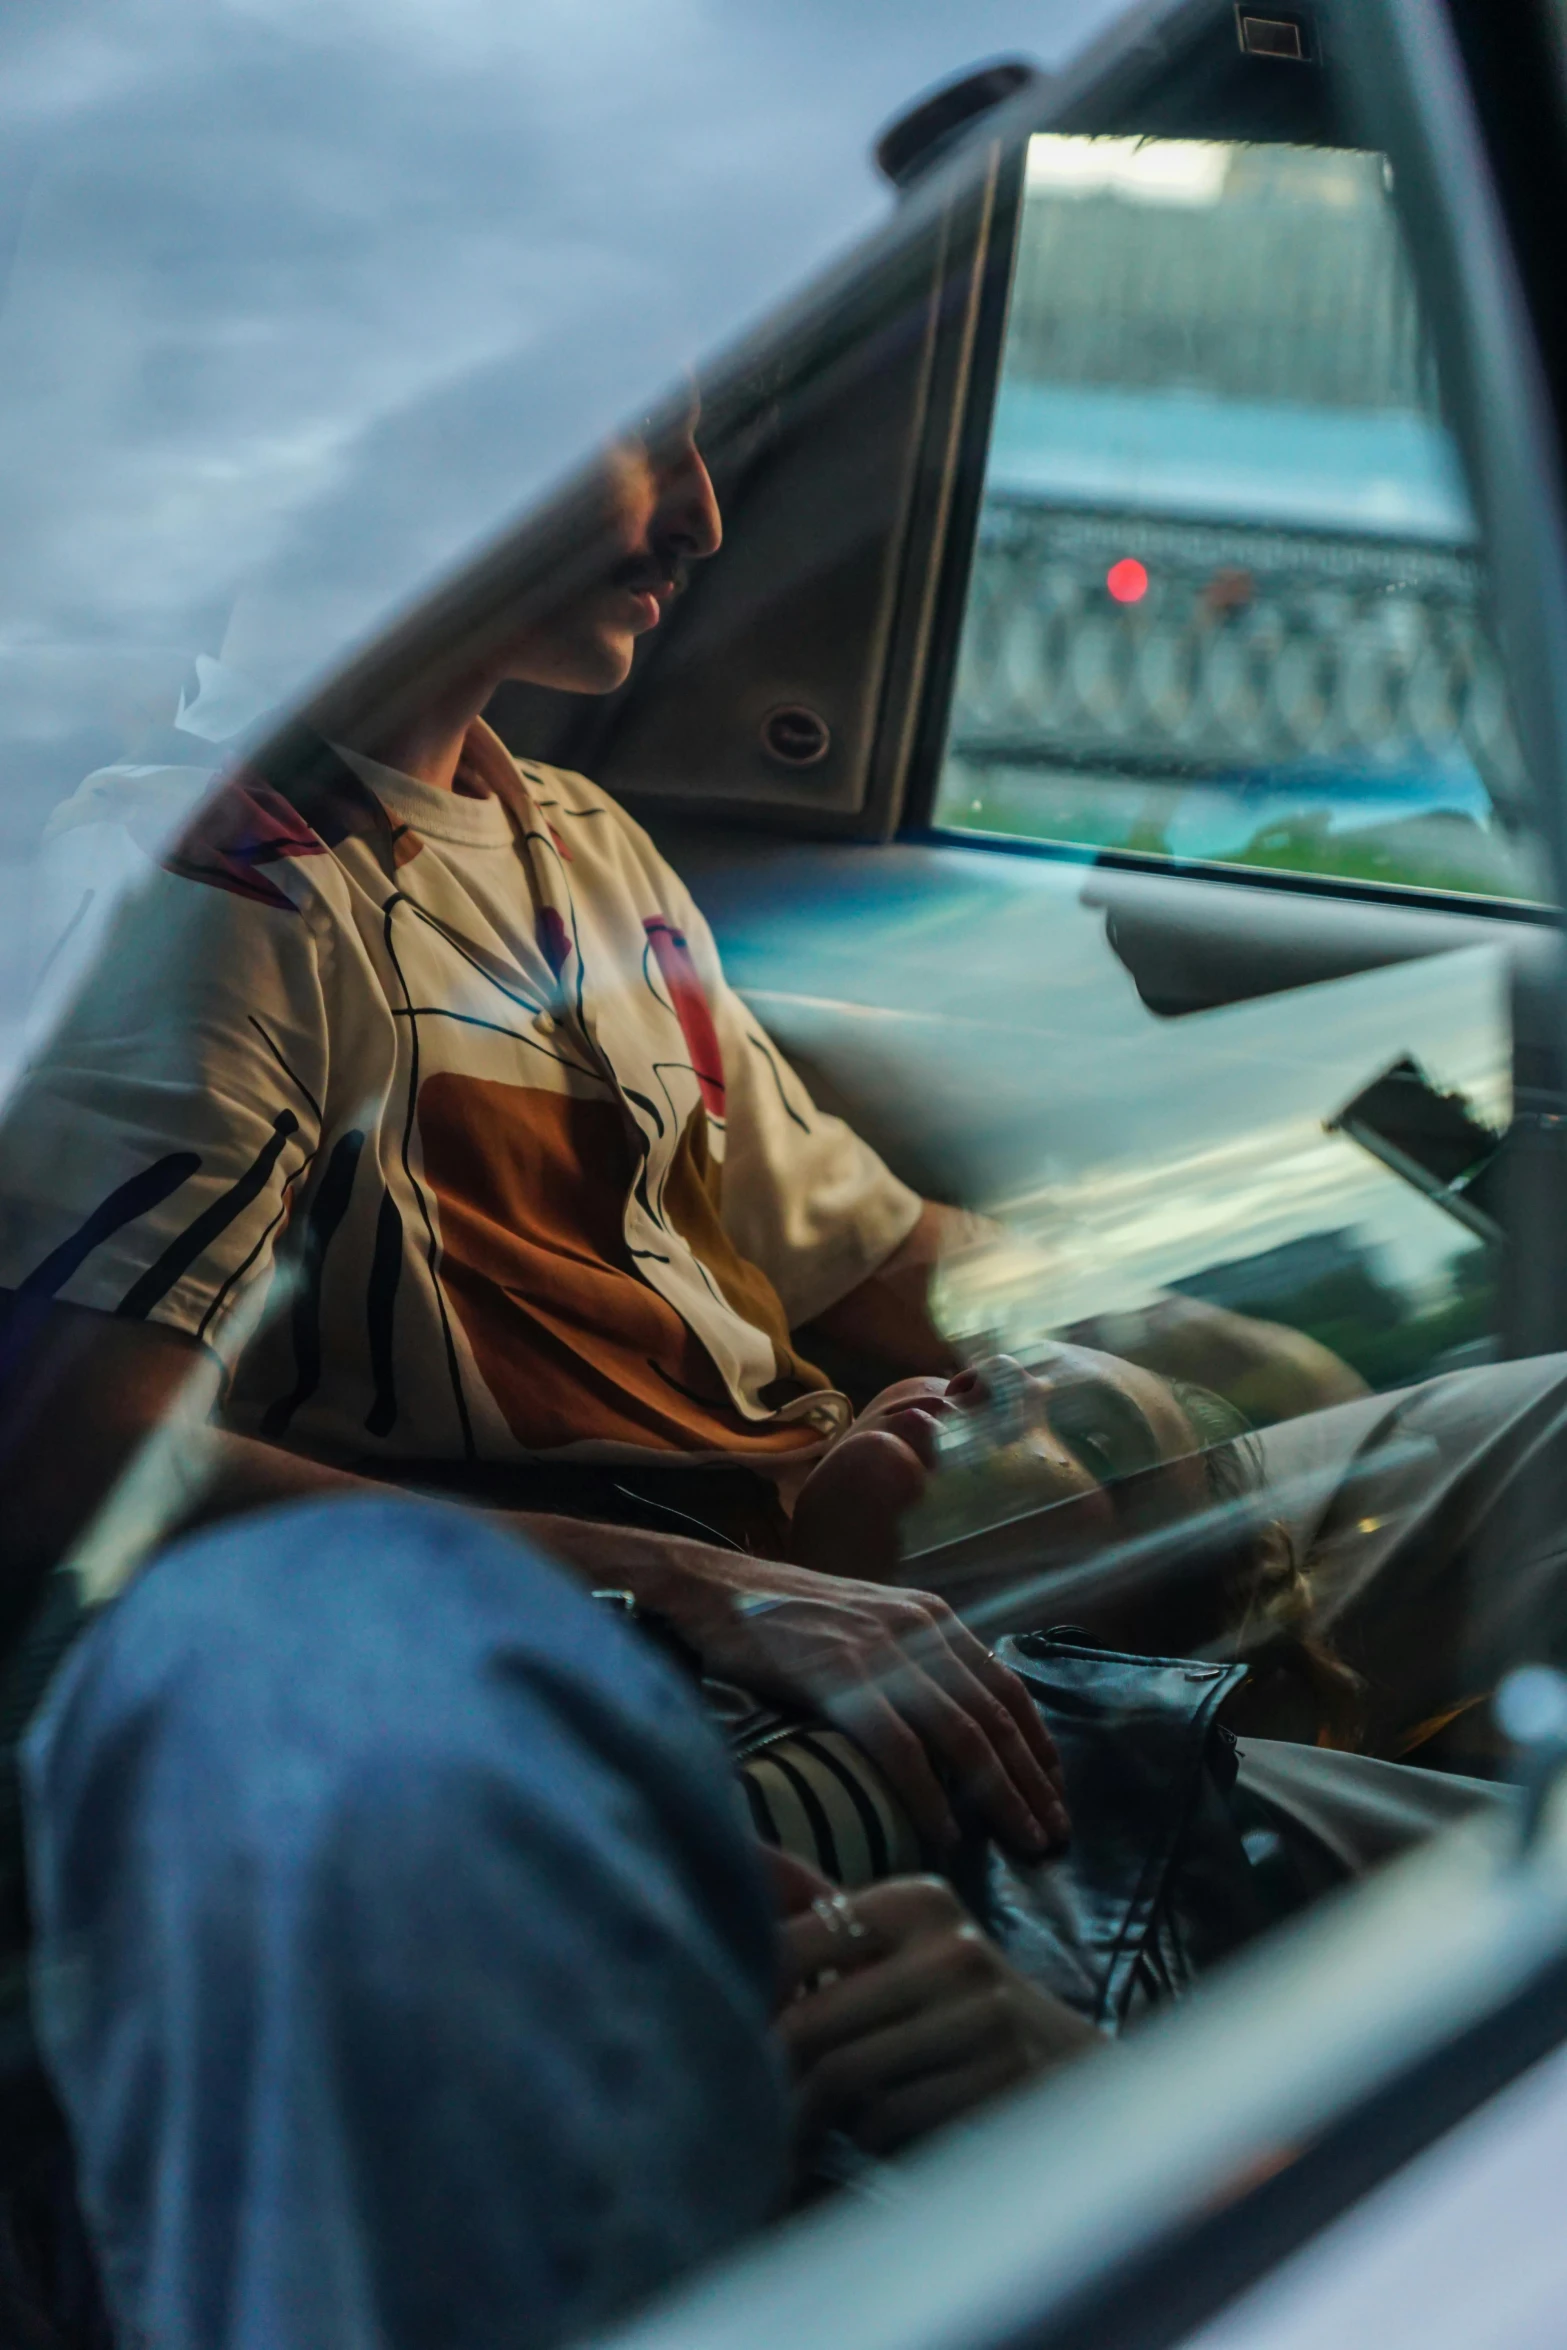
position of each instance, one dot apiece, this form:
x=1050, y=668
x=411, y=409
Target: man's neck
x=426, y=744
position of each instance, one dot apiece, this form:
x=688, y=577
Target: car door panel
x=966, y=1011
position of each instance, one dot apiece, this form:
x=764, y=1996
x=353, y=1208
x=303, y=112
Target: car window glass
x=1227, y=603
x=466, y=1137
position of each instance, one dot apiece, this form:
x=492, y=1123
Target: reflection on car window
x=1226, y=601
x=493, y=1305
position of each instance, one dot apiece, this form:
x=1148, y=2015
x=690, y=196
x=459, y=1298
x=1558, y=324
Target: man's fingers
x=871, y=1718
x=1035, y=1779
x=978, y=1750
x=886, y=1992
x=845, y=2086
x=978, y=1739
x=944, y=1634
x=905, y=1678
x=918, y=1425
x=905, y=2114
x=1012, y=1693
x=969, y=1728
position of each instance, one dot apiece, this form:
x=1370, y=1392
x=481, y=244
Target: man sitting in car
x=411, y=1090
x=429, y=1049
x=436, y=1045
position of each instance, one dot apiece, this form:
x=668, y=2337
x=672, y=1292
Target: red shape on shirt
x=310, y=804
x=554, y=939
x=692, y=1010
x=245, y=824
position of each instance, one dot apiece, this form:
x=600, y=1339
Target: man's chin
x=589, y=665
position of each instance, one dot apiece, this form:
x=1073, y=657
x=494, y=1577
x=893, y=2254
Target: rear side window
x=1226, y=602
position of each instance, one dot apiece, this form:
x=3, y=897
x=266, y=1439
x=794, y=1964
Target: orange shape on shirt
x=572, y=1343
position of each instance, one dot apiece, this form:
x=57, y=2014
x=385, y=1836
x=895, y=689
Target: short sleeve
x=803, y=1197
x=148, y=1152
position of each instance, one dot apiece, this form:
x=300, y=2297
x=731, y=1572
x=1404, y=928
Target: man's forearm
x=62, y=1500
x=695, y=1583
x=691, y=1582
x=111, y=1455
x=886, y=1323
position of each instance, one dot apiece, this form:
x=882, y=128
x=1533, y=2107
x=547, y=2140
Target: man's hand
x=885, y=1324
x=848, y=1515
x=924, y=2020
x=909, y=1682
x=894, y=1668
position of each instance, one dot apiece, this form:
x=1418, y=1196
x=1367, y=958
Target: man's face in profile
x=659, y=517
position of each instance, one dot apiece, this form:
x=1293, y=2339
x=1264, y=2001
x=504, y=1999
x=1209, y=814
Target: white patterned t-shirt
x=464, y=1067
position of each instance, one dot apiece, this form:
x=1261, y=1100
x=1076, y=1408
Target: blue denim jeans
x=403, y=1966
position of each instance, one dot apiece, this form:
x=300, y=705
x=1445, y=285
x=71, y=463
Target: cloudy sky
x=327, y=289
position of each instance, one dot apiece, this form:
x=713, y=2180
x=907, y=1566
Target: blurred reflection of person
x=104, y=838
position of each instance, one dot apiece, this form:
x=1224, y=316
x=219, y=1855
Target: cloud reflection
x=306, y=299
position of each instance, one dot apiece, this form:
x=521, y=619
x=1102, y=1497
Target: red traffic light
x=1127, y=580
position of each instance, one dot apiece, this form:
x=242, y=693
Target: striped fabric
x=815, y=1795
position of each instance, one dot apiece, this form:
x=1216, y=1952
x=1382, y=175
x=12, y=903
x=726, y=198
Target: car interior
x=1034, y=947
x=1094, y=752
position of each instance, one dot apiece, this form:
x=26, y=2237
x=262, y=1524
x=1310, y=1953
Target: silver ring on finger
x=837, y=1913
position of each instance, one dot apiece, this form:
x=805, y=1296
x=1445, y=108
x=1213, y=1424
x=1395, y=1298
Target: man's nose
x=688, y=518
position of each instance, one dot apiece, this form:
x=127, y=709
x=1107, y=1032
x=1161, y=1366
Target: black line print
x=242, y=1268
x=386, y=1270
x=656, y=1213
x=327, y=1211
x=210, y=1225
x=661, y=1219
x=757, y=1045
x=432, y=1245
x=544, y=841
x=663, y=1002
x=814, y=1809
x=136, y=1196
x=472, y=1020
x=292, y=1075
x=870, y=1819
x=468, y=954
x=639, y=1193
x=705, y=1401
x=644, y=1151
x=579, y=815
x=644, y=1102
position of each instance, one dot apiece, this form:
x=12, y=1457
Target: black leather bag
x=1169, y=1867
x=1158, y=1882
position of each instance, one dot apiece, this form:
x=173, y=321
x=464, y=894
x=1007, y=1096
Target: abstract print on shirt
x=466, y=1065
